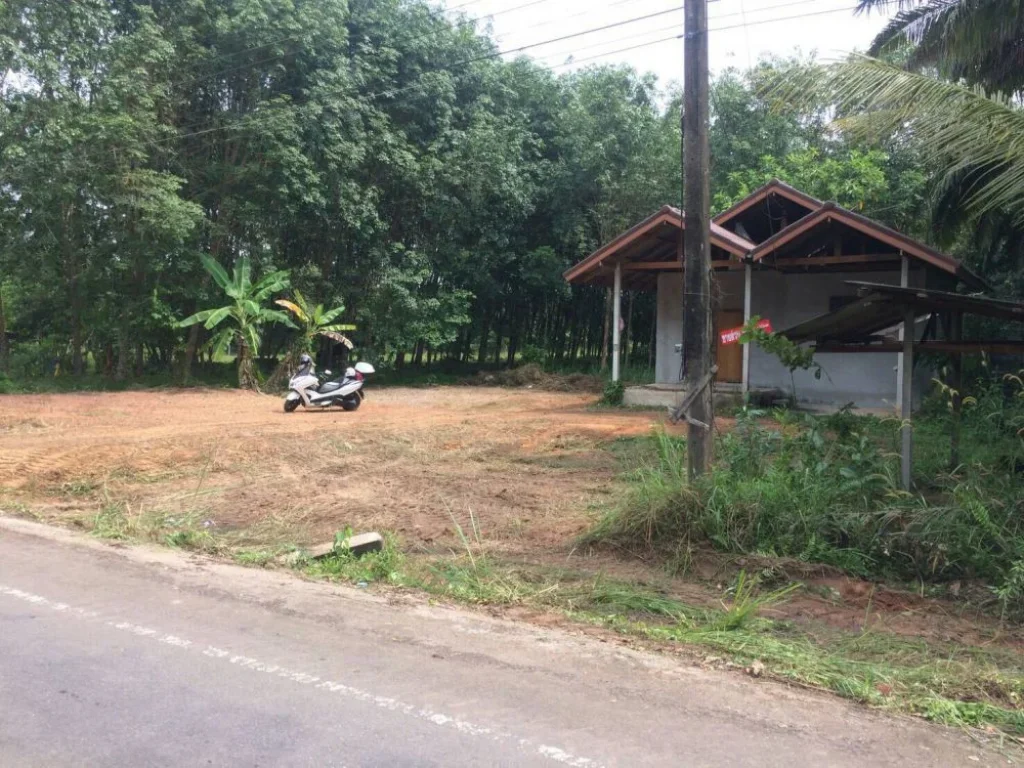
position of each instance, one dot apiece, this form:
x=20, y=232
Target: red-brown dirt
x=526, y=463
x=532, y=467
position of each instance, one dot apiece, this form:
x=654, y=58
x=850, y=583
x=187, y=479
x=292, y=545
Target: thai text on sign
x=732, y=335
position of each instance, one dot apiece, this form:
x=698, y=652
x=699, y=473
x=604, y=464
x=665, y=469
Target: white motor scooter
x=313, y=391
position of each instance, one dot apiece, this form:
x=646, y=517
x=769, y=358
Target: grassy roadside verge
x=956, y=685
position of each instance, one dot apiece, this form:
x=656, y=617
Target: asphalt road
x=140, y=657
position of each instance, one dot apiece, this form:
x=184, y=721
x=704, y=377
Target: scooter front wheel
x=291, y=402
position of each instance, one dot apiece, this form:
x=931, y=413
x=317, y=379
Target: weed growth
x=825, y=490
x=381, y=566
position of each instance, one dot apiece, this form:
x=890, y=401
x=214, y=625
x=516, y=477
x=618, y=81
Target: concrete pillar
x=907, y=400
x=616, y=321
x=747, y=280
x=904, y=282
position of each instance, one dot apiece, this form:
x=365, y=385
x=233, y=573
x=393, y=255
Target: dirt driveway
x=529, y=464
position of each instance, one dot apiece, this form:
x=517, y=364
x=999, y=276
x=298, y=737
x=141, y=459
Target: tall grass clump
x=658, y=507
x=825, y=490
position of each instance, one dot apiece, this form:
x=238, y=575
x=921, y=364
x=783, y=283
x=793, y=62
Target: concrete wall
x=667, y=361
x=866, y=379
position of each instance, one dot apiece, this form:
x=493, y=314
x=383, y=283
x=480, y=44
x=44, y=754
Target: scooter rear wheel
x=351, y=403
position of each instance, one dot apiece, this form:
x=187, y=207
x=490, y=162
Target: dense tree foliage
x=378, y=151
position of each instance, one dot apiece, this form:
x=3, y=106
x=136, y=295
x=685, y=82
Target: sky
x=742, y=31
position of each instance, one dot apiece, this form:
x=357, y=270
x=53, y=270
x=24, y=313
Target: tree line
x=381, y=153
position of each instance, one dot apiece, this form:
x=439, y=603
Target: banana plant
x=315, y=321
x=241, y=322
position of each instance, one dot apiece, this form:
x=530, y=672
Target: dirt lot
x=528, y=464
x=533, y=467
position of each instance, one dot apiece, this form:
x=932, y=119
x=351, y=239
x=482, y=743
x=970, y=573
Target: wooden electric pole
x=697, y=321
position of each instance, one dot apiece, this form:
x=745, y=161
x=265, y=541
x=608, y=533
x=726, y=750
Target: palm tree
x=976, y=137
x=244, y=317
x=979, y=42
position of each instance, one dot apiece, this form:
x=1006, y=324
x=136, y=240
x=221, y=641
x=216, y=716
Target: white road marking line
x=554, y=754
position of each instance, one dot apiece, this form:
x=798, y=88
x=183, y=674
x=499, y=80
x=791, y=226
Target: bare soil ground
x=533, y=467
x=528, y=464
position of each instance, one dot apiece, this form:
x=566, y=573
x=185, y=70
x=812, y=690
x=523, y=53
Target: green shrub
x=826, y=490
x=613, y=393
x=532, y=355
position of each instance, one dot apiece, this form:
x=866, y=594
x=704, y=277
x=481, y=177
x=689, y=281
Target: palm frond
x=294, y=308
x=250, y=307
x=198, y=317
x=243, y=275
x=217, y=272
x=216, y=316
x=963, y=126
x=338, y=327
x=328, y=317
x=908, y=26
x=252, y=338
x=867, y=6
x=275, y=316
x=301, y=301
x=333, y=336
x=271, y=284
x=978, y=41
x=220, y=342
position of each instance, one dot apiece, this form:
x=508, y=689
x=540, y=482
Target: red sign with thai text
x=733, y=334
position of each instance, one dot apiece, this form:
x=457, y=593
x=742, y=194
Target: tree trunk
x=513, y=341
x=190, y=353
x=246, y=368
x=467, y=345
x=5, y=349
x=122, y=351
x=485, y=332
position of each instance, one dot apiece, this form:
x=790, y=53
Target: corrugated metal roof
x=881, y=306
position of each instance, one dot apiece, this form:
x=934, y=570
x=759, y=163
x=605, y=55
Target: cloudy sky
x=741, y=30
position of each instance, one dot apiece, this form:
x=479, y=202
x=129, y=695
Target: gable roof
x=776, y=187
x=720, y=237
x=906, y=245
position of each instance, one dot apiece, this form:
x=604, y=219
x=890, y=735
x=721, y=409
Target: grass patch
x=942, y=682
x=342, y=565
x=945, y=683
x=825, y=491
x=256, y=558
x=117, y=521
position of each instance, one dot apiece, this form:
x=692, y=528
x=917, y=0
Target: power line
x=712, y=29
x=461, y=5
x=509, y=10
x=674, y=37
